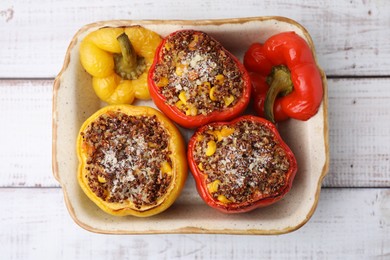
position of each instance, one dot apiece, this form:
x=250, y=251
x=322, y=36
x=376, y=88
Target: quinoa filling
x=125, y=156
x=197, y=75
x=246, y=164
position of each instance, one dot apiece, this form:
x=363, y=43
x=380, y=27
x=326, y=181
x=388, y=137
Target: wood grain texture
x=25, y=149
x=359, y=133
x=36, y=225
x=351, y=37
x=359, y=110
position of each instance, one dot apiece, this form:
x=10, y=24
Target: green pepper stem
x=128, y=64
x=280, y=85
x=128, y=53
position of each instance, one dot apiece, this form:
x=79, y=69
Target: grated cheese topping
x=126, y=152
x=191, y=63
x=249, y=163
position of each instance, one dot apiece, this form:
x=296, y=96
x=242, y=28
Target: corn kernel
x=191, y=110
x=182, y=97
x=199, y=138
x=207, y=84
x=228, y=100
x=200, y=166
x=218, y=135
x=180, y=69
x=213, y=186
x=223, y=199
x=162, y=82
x=204, y=88
x=152, y=145
x=213, y=133
x=212, y=94
x=219, y=79
x=101, y=179
x=210, y=132
x=211, y=148
x=193, y=43
x=168, y=46
x=226, y=131
x=180, y=105
x=166, y=167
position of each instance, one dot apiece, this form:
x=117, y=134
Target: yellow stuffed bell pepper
x=119, y=60
x=131, y=160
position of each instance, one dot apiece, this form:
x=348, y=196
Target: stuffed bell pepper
x=131, y=160
x=194, y=80
x=241, y=165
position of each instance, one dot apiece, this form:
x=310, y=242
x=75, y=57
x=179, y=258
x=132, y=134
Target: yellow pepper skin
x=177, y=167
x=97, y=55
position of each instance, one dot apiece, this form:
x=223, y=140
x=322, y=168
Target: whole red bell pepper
x=241, y=165
x=192, y=72
x=286, y=79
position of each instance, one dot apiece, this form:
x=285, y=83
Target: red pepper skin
x=290, y=50
x=191, y=122
x=256, y=61
x=201, y=178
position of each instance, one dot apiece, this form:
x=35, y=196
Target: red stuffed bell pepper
x=194, y=80
x=241, y=165
x=285, y=77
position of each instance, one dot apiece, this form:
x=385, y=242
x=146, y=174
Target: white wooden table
x=352, y=220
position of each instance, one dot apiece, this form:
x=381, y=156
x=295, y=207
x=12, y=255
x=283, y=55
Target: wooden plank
x=359, y=112
x=348, y=224
x=25, y=139
x=351, y=37
x=359, y=131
